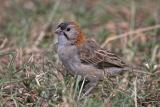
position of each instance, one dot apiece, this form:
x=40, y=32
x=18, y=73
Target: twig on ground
x=130, y=33
x=3, y=43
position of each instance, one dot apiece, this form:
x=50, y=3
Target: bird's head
x=70, y=32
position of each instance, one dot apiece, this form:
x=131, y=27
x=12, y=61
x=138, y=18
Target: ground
x=30, y=71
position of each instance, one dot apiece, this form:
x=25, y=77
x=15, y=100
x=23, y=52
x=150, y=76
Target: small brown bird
x=85, y=57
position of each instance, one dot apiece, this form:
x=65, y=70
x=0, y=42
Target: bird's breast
x=69, y=57
x=66, y=52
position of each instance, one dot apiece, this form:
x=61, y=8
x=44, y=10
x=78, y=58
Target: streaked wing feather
x=91, y=53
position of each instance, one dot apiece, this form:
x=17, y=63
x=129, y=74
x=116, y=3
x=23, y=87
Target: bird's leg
x=89, y=87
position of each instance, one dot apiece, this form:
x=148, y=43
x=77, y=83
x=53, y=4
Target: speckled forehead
x=63, y=25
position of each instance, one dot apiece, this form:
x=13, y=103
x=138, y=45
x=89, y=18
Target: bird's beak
x=58, y=30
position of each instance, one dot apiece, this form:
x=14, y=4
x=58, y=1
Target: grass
x=30, y=71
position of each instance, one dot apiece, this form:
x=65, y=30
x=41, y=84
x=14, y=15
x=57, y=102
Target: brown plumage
x=91, y=53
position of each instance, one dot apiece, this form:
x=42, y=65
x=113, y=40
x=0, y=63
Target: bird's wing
x=91, y=53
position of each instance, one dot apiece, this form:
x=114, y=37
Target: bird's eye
x=68, y=29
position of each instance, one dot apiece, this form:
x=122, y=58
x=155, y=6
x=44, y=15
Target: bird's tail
x=116, y=70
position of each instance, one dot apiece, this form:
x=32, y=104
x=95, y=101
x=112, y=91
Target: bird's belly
x=87, y=71
x=71, y=66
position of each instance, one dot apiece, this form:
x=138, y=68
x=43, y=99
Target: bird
x=83, y=56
